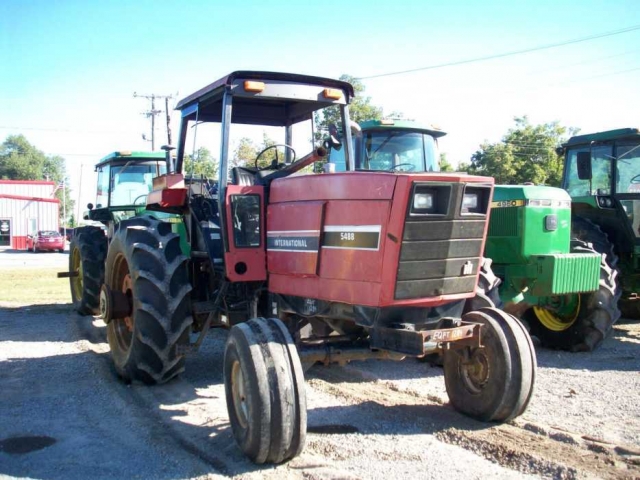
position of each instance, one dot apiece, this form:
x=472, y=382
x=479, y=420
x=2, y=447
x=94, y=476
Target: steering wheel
x=135, y=202
x=411, y=166
x=635, y=179
x=293, y=159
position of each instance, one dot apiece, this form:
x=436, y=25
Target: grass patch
x=30, y=286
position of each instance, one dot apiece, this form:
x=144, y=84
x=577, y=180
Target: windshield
x=130, y=184
x=397, y=150
x=387, y=150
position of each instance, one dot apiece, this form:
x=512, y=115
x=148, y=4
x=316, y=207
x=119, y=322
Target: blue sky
x=69, y=68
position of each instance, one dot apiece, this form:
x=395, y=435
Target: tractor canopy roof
x=266, y=98
x=409, y=125
x=128, y=155
x=619, y=134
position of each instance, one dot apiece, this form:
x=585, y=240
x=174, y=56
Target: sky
x=68, y=69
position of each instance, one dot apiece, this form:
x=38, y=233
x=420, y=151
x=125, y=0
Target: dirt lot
x=65, y=415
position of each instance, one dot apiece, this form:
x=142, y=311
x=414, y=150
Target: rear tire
x=598, y=311
x=87, y=252
x=145, y=262
x=264, y=387
x=495, y=382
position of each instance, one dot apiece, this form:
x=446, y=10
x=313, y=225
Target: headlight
x=422, y=201
x=475, y=200
x=469, y=202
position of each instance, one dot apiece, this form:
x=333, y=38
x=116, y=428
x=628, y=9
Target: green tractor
x=564, y=289
x=124, y=181
x=602, y=176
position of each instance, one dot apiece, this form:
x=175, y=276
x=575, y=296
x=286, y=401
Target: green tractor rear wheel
x=146, y=264
x=580, y=322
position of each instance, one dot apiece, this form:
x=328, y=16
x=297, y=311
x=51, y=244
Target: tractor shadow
x=46, y=323
x=620, y=351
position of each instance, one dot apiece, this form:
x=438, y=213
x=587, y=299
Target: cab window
x=600, y=183
x=103, y=187
x=628, y=169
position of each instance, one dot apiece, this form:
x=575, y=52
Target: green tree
x=245, y=154
x=20, y=160
x=527, y=153
x=202, y=163
x=360, y=109
x=247, y=151
x=445, y=166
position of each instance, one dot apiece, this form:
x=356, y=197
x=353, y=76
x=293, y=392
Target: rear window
x=48, y=233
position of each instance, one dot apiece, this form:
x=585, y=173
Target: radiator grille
x=504, y=222
x=440, y=254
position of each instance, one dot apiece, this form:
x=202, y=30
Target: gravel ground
x=366, y=420
x=65, y=415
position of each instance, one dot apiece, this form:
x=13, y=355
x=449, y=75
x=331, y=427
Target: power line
x=506, y=54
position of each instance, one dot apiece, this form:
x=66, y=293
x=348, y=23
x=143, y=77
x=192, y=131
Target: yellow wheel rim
x=76, y=281
x=557, y=322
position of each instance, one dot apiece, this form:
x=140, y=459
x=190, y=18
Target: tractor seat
x=244, y=176
x=247, y=176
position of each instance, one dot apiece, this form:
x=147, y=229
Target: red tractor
x=305, y=268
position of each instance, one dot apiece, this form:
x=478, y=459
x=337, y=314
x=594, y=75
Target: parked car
x=45, y=240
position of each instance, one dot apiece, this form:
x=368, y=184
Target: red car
x=45, y=240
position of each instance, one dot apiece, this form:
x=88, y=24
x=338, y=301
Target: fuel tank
x=377, y=239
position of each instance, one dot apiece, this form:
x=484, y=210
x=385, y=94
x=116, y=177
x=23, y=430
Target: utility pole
x=152, y=115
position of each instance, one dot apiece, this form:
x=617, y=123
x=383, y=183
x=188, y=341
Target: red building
x=26, y=206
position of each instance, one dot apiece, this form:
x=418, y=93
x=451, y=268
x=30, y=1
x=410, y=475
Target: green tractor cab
x=390, y=145
x=561, y=288
x=125, y=179
x=602, y=176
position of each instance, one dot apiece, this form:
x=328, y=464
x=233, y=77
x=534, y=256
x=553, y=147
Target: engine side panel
x=293, y=237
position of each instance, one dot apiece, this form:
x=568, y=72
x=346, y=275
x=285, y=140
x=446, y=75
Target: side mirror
x=584, y=165
x=90, y=206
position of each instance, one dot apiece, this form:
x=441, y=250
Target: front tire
x=146, y=264
x=264, y=387
x=586, y=325
x=87, y=252
x=494, y=382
